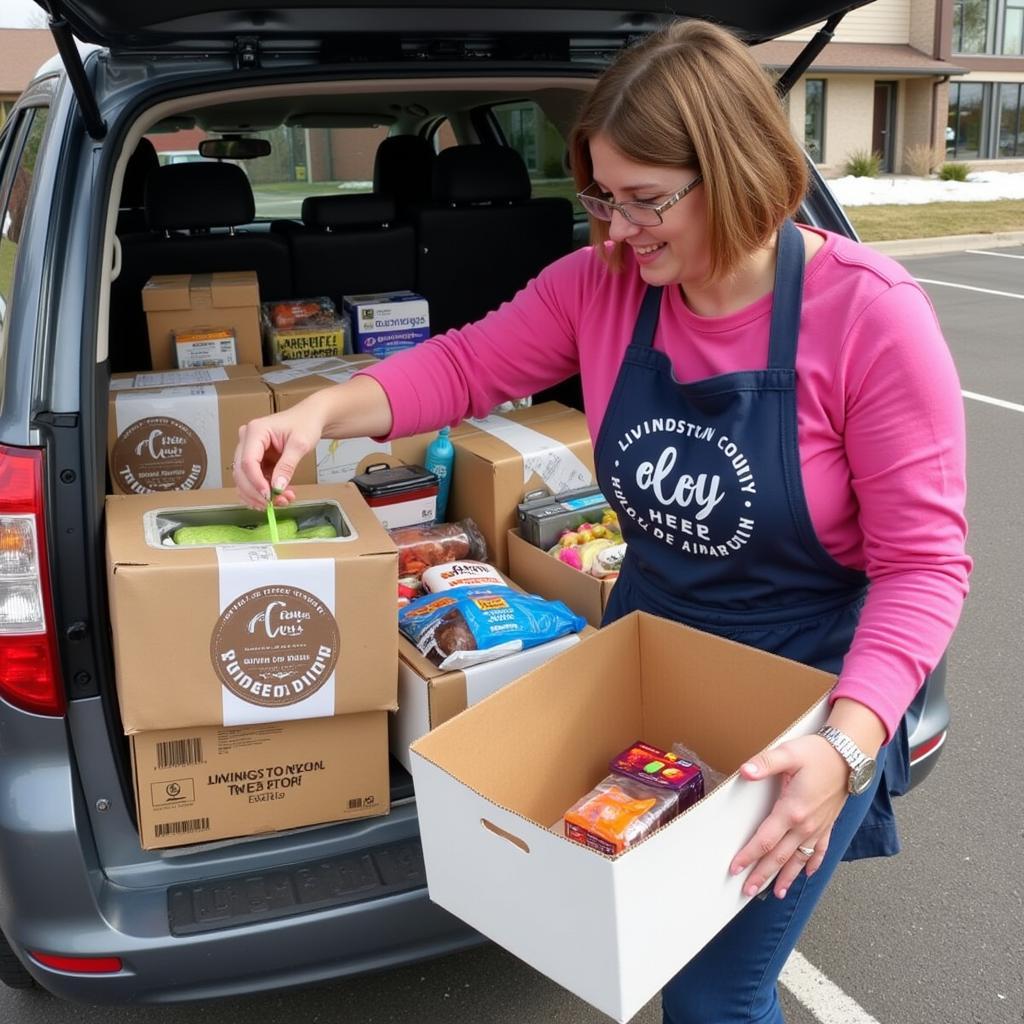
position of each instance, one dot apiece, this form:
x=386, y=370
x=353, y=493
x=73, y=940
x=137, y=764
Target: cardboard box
x=211, y=783
x=384, y=323
x=177, y=430
x=429, y=696
x=181, y=302
x=493, y=783
x=541, y=573
x=498, y=459
x=247, y=634
x=336, y=461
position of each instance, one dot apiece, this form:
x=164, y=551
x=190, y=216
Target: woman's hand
x=268, y=451
x=814, y=789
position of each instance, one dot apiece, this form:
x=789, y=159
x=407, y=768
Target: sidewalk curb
x=948, y=243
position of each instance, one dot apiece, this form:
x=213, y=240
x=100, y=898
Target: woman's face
x=673, y=252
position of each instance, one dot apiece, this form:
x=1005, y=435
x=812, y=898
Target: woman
x=778, y=421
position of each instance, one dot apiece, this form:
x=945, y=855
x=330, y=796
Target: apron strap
x=647, y=318
x=787, y=298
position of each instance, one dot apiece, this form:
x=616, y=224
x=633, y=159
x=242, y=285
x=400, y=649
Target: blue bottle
x=440, y=456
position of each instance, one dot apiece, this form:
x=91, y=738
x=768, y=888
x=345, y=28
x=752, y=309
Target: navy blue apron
x=707, y=483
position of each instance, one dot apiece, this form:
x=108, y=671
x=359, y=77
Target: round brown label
x=159, y=453
x=275, y=645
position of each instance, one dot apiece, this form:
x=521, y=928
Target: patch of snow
x=981, y=186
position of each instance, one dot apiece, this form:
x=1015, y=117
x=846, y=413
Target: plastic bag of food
x=618, y=812
x=459, y=628
x=420, y=547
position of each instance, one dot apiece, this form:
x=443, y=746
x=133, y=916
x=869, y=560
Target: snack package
x=661, y=769
x=458, y=575
x=420, y=547
x=712, y=777
x=304, y=329
x=459, y=628
x=618, y=812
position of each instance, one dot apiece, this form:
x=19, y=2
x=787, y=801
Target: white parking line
x=985, y=252
x=993, y=401
x=826, y=1000
x=969, y=288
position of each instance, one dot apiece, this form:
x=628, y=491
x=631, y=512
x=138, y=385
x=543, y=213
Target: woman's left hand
x=814, y=789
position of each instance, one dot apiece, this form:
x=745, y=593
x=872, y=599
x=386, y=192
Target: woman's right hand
x=269, y=449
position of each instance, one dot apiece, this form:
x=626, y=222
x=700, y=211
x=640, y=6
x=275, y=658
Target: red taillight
x=78, y=964
x=29, y=675
x=924, y=749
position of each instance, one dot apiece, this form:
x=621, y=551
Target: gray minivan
x=84, y=911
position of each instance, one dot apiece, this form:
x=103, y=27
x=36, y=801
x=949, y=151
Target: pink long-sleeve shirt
x=880, y=421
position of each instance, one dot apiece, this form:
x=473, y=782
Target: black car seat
x=482, y=237
x=192, y=213
x=349, y=245
x=403, y=169
x=131, y=212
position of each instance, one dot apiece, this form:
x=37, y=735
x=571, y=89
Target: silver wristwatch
x=862, y=767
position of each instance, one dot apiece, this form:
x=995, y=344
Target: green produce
x=323, y=531
x=287, y=529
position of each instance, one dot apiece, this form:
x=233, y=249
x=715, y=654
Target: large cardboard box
x=177, y=430
x=210, y=783
x=541, y=573
x=336, y=461
x=245, y=634
x=493, y=783
x=185, y=302
x=428, y=696
x=500, y=458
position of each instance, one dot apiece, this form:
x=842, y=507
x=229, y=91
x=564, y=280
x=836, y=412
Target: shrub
x=954, y=172
x=864, y=164
x=920, y=160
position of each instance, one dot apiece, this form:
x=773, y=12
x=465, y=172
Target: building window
x=973, y=22
x=965, y=129
x=1013, y=28
x=1011, y=121
x=814, y=119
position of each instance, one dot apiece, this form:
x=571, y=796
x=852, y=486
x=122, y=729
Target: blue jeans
x=733, y=979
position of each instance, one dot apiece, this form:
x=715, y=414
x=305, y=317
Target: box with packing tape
x=493, y=785
x=228, y=302
x=335, y=461
x=208, y=782
x=215, y=625
x=177, y=430
x=500, y=458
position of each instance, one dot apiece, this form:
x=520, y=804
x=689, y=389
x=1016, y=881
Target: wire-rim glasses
x=645, y=215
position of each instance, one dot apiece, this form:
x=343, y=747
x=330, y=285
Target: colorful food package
x=594, y=548
x=420, y=547
x=458, y=575
x=459, y=628
x=304, y=329
x=647, y=787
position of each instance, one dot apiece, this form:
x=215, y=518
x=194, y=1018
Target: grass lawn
x=930, y=220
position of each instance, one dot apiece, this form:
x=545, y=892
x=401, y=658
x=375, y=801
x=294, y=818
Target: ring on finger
x=806, y=851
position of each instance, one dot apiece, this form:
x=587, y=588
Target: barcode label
x=356, y=801
x=179, y=828
x=177, y=753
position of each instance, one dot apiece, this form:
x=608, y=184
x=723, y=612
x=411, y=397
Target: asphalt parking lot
x=929, y=937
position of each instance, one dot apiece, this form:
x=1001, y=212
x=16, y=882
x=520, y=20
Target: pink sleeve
x=904, y=435
x=527, y=344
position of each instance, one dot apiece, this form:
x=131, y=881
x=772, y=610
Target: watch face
x=860, y=780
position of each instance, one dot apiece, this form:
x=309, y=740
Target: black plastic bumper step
x=299, y=889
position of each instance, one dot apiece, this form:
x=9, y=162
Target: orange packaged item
x=420, y=547
x=617, y=813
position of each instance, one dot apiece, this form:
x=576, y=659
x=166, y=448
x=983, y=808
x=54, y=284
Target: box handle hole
x=514, y=840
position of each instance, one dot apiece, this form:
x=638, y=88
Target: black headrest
x=198, y=195
x=140, y=163
x=347, y=211
x=480, y=174
x=402, y=168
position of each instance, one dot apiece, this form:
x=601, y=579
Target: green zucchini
x=288, y=529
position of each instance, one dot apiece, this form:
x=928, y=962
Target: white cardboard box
x=491, y=783
x=428, y=695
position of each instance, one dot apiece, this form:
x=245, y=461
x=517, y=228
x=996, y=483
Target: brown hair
x=692, y=96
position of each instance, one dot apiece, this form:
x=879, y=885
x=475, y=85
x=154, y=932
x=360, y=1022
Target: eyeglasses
x=644, y=215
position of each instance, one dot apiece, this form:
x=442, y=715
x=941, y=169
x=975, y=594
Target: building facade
x=904, y=77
